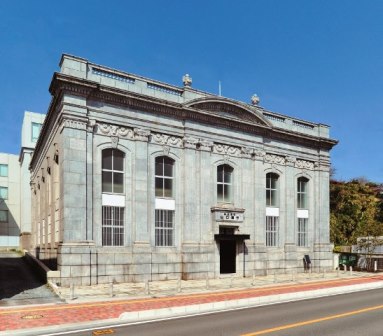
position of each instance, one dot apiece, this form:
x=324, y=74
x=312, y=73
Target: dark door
x=227, y=253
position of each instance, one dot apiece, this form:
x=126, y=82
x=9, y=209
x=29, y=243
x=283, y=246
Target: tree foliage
x=356, y=211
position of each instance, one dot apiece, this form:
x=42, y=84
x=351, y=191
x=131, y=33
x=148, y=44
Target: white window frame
x=269, y=190
x=229, y=197
x=113, y=171
x=302, y=196
x=163, y=177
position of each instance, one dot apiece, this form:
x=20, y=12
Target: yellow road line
x=173, y=298
x=303, y=323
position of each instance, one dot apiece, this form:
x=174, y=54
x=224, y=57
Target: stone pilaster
x=191, y=206
x=73, y=161
x=89, y=180
x=290, y=217
x=141, y=197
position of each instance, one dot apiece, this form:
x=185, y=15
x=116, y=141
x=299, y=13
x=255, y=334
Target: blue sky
x=320, y=61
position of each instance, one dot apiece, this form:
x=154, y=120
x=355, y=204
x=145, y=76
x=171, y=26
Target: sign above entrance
x=227, y=216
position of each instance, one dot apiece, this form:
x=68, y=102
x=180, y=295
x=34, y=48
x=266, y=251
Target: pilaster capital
x=141, y=134
x=190, y=142
x=205, y=145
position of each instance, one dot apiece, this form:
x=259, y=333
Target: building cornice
x=62, y=83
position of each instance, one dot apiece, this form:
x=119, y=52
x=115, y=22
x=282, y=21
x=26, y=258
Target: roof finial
x=187, y=80
x=255, y=99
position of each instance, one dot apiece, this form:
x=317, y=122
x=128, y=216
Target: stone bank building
x=134, y=179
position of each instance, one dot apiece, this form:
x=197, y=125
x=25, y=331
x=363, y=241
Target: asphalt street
x=350, y=314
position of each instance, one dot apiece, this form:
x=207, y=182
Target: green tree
x=356, y=211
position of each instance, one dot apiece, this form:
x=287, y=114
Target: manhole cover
x=103, y=332
x=32, y=317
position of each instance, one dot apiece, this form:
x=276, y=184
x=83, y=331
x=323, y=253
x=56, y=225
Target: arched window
x=112, y=171
x=302, y=193
x=164, y=217
x=164, y=174
x=224, y=183
x=272, y=199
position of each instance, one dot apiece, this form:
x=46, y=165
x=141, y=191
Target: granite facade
x=95, y=108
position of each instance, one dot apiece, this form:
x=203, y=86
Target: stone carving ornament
x=114, y=140
x=290, y=160
x=259, y=153
x=205, y=145
x=141, y=134
x=76, y=124
x=247, y=152
x=190, y=142
x=226, y=149
x=116, y=131
x=272, y=158
x=303, y=164
x=163, y=139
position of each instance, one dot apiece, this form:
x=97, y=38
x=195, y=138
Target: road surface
x=350, y=314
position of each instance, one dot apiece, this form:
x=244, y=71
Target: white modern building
x=9, y=201
x=136, y=179
x=15, y=191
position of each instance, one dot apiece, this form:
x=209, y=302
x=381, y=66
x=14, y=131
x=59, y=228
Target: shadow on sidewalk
x=20, y=285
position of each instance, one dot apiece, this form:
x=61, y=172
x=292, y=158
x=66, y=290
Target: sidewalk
x=97, y=306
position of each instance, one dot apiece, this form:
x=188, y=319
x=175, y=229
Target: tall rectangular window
x=36, y=127
x=3, y=216
x=272, y=231
x=3, y=193
x=224, y=183
x=164, y=175
x=302, y=231
x=112, y=226
x=164, y=228
x=112, y=171
x=272, y=190
x=302, y=193
x=3, y=170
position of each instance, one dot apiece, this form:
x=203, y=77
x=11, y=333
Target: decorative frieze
x=226, y=150
x=164, y=139
x=272, y=158
x=115, y=131
x=76, y=124
x=303, y=164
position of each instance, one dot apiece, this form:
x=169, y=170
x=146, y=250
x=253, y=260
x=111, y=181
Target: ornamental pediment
x=230, y=109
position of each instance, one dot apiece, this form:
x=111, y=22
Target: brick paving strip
x=50, y=315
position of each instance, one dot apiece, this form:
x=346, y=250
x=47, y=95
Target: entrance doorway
x=227, y=253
